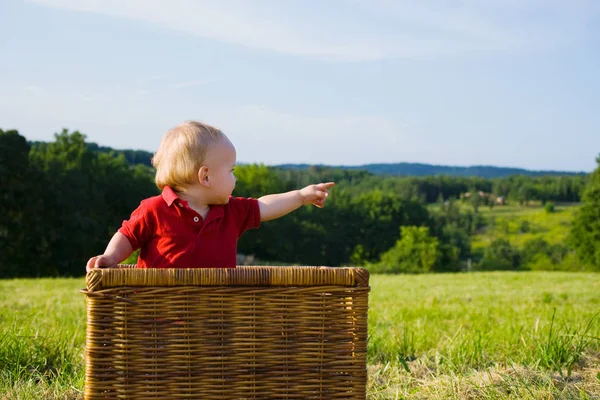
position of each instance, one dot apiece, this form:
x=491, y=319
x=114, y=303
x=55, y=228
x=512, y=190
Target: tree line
x=63, y=200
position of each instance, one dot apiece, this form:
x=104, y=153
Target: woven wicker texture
x=243, y=333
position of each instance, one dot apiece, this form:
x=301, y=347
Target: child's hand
x=316, y=194
x=117, y=250
x=99, y=262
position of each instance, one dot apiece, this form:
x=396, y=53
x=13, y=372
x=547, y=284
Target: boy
x=195, y=222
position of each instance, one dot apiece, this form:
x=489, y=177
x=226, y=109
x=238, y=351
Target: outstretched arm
x=273, y=206
x=117, y=250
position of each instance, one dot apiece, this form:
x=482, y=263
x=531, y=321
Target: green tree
x=475, y=201
x=585, y=232
x=415, y=252
x=500, y=255
x=332, y=236
x=255, y=180
x=455, y=246
x=20, y=207
x=525, y=193
x=376, y=216
x=549, y=207
x=535, y=248
x=453, y=228
x=86, y=195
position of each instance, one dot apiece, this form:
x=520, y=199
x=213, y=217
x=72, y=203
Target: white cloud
x=359, y=30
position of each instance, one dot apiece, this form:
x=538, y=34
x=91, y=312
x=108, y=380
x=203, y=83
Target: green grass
x=480, y=336
x=519, y=224
x=42, y=334
x=457, y=335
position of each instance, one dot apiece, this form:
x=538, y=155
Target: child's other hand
x=99, y=262
x=316, y=194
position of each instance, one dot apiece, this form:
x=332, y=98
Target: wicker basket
x=243, y=333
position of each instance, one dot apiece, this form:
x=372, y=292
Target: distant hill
x=398, y=169
x=417, y=169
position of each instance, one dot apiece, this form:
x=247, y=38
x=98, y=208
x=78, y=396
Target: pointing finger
x=326, y=185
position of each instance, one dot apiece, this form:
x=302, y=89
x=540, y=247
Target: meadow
x=493, y=335
x=520, y=224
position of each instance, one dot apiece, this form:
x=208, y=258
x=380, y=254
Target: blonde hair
x=181, y=153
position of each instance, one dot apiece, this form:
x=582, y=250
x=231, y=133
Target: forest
x=63, y=200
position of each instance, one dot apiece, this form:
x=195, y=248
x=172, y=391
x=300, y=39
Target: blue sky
x=464, y=82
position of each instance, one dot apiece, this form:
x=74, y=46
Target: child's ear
x=203, y=176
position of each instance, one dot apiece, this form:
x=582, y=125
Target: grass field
x=480, y=336
x=519, y=224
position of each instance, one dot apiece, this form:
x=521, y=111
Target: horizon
x=354, y=82
x=361, y=165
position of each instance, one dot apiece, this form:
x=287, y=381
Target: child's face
x=221, y=161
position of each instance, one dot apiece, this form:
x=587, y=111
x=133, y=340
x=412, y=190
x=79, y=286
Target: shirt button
x=196, y=219
x=180, y=205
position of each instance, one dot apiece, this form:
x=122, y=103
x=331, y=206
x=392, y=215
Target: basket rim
x=128, y=275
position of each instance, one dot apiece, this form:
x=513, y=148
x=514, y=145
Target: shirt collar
x=169, y=195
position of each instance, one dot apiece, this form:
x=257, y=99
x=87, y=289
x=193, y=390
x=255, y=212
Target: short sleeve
x=136, y=228
x=246, y=213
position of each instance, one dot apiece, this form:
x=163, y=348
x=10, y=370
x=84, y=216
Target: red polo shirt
x=172, y=235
